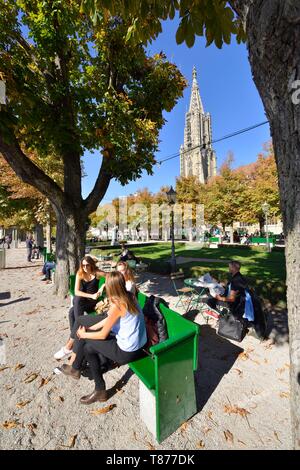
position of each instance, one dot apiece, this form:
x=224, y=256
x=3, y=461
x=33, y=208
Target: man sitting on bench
x=234, y=298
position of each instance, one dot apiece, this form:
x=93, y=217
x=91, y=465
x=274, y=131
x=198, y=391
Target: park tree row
x=234, y=195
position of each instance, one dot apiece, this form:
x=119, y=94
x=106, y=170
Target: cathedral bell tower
x=197, y=156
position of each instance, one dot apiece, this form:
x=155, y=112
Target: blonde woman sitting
x=120, y=337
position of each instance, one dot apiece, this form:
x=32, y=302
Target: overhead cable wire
x=228, y=136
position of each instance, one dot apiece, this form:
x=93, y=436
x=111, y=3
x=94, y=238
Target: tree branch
x=29, y=172
x=241, y=8
x=71, y=157
x=95, y=197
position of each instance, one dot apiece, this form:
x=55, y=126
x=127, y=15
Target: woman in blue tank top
x=120, y=337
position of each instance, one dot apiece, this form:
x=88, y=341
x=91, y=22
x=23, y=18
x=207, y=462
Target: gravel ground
x=242, y=389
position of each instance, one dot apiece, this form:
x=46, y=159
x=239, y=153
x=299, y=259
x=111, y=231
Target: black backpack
x=260, y=317
x=155, y=322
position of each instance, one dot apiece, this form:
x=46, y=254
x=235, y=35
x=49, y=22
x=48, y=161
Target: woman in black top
x=85, y=300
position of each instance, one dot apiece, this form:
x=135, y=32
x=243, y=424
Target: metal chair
x=185, y=294
x=131, y=263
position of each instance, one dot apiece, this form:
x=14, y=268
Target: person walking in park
x=29, y=245
x=8, y=241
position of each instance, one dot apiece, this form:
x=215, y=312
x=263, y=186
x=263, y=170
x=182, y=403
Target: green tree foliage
x=189, y=190
x=74, y=86
x=213, y=19
x=261, y=181
x=225, y=196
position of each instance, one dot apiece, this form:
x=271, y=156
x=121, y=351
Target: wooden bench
x=167, y=385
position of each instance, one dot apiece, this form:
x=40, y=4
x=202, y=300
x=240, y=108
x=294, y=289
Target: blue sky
x=228, y=93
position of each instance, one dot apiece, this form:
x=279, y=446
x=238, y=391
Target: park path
x=242, y=389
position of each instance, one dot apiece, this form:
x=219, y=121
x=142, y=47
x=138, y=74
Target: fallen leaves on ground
x=8, y=387
x=206, y=430
x=236, y=410
x=244, y=356
x=240, y=372
x=209, y=415
x=256, y=362
x=72, y=441
x=150, y=446
x=18, y=367
x=10, y=424
x=241, y=442
x=183, y=427
x=32, y=427
x=276, y=435
x=31, y=378
x=256, y=392
x=21, y=404
x=32, y=312
x=281, y=370
x=3, y=368
x=284, y=394
x=284, y=381
x=101, y=411
x=45, y=381
x=60, y=398
x=228, y=436
x=200, y=445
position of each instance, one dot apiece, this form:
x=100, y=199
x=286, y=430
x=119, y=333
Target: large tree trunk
x=48, y=235
x=70, y=246
x=273, y=30
x=39, y=235
x=261, y=222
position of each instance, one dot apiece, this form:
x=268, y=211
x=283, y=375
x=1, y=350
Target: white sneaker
x=62, y=353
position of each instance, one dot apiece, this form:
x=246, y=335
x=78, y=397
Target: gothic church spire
x=195, y=102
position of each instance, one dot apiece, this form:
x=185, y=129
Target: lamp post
x=106, y=230
x=171, y=195
x=265, y=207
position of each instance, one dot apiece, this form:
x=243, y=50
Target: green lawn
x=265, y=271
